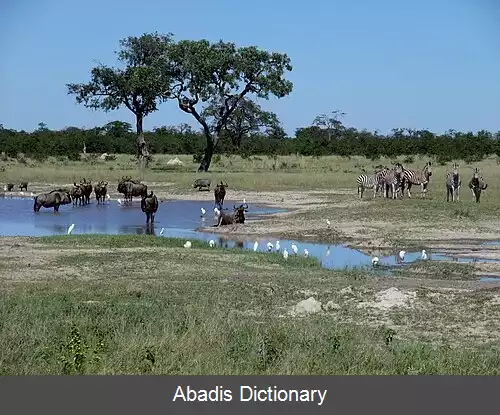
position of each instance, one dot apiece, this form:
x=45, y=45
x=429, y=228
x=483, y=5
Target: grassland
x=73, y=305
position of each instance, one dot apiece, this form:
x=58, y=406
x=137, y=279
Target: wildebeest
x=477, y=184
x=149, y=205
x=86, y=189
x=23, y=185
x=238, y=216
x=76, y=194
x=10, y=186
x=220, y=194
x=200, y=183
x=130, y=188
x=453, y=184
x=53, y=199
x=100, y=191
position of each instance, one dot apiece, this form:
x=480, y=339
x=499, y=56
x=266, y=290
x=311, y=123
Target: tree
x=141, y=85
x=222, y=75
x=247, y=118
x=331, y=123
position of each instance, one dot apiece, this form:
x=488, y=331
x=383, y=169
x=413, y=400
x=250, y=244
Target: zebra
x=477, y=184
x=392, y=180
x=412, y=177
x=372, y=181
x=453, y=184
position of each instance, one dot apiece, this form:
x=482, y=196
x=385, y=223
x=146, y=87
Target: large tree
x=247, y=118
x=330, y=122
x=140, y=84
x=220, y=74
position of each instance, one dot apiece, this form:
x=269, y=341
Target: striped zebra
x=392, y=180
x=453, y=184
x=412, y=177
x=371, y=181
x=477, y=184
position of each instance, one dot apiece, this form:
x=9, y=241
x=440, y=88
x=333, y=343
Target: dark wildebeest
x=477, y=184
x=10, y=186
x=199, y=183
x=23, y=185
x=220, y=194
x=149, y=205
x=130, y=188
x=86, y=189
x=76, y=194
x=54, y=199
x=100, y=191
x=238, y=216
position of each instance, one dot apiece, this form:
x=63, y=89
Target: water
x=180, y=219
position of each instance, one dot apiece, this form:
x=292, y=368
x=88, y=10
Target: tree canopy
x=140, y=85
x=220, y=75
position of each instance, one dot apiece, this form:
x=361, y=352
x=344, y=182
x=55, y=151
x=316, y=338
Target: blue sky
x=431, y=64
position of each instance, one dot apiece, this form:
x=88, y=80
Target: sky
x=426, y=64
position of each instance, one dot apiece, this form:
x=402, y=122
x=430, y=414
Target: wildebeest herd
x=398, y=179
x=80, y=194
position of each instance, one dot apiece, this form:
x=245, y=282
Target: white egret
x=424, y=255
x=277, y=246
x=375, y=261
x=211, y=243
x=107, y=196
x=295, y=249
x=161, y=231
x=285, y=253
x=119, y=201
x=255, y=246
x=269, y=247
x=187, y=244
x=70, y=229
x=216, y=211
x=244, y=200
x=32, y=194
x=402, y=255
x=203, y=211
x=306, y=252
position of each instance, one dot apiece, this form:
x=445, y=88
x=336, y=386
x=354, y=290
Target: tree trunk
x=142, y=148
x=209, y=152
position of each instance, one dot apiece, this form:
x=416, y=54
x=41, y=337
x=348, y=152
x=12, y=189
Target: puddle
x=180, y=218
x=488, y=278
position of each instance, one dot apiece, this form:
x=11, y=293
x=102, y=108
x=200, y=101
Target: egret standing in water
x=375, y=261
x=424, y=255
x=255, y=246
x=119, y=201
x=269, y=247
x=285, y=253
x=306, y=252
x=70, y=229
x=211, y=243
x=161, y=231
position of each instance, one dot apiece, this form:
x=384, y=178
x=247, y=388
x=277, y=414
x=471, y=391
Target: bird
x=294, y=249
x=244, y=200
x=5, y=188
x=375, y=261
x=269, y=247
x=424, y=255
x=187, y=244
x=216, y=211
x=70, y=229
x=255, y=246
x=327, y=251
x=277, y=246
x=211, y=243
x=402, y=255
x=306, y=252
x=22, y=194
x=107, y=196
x=328, y=223
x=32, y=194
x=285, y=253
x=161, y=231
x=119, y=201
x=202, y=211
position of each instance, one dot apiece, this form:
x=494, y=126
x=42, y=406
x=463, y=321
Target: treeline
x=118, y=137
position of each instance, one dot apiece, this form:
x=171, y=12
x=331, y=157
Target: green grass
x=145, y=305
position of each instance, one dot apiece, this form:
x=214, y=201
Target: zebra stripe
x=372, y=181
x=453, y=184
x=392, y=180
x=412, y=177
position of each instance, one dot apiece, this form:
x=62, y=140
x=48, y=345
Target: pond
x=177, y=218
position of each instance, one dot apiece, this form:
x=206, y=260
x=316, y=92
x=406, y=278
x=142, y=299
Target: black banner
x=124, y=395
